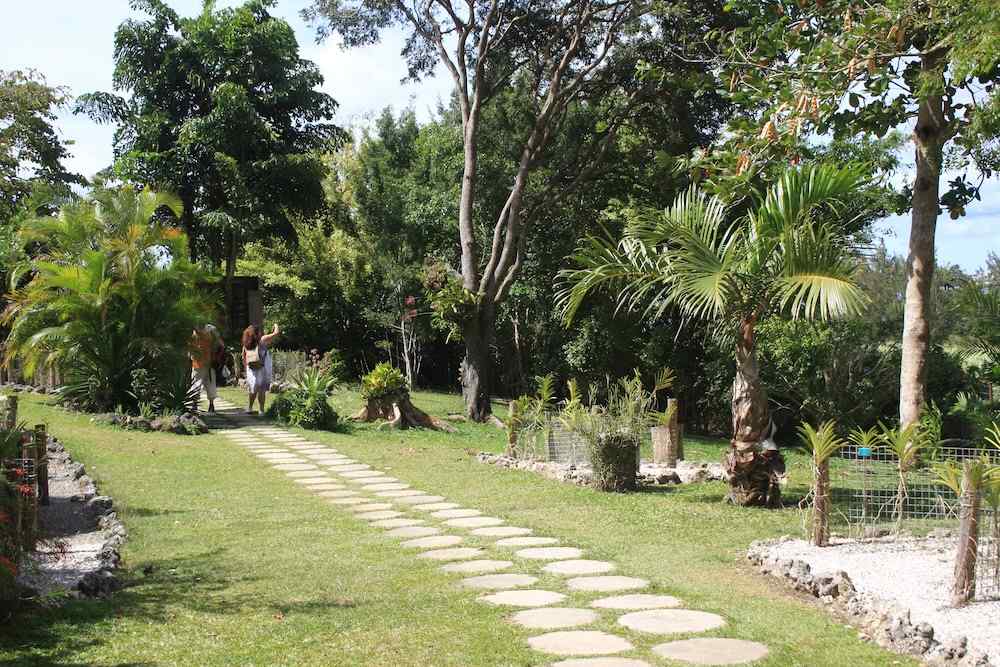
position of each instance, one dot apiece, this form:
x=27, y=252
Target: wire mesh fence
x=555, y=443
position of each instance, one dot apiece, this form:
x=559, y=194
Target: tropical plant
x=176, y=393
x=903, y=442
x=820, y=443
x=383, y=381
x=305, y=403
x=782, y=257
x=527, y=414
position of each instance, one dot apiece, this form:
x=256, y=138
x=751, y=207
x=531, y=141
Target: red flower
x=25, y=490
x=9, y=565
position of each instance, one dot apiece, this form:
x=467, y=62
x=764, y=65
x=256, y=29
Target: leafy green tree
x=781, y=257
x=221, y=109
x=845, y=68
x=31, y=152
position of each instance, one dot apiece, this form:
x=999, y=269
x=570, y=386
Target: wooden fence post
x=42, y=463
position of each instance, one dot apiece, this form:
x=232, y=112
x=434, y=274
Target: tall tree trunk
x=748, y=470
x=477, y=365
x=521, y=379
x=929, y=137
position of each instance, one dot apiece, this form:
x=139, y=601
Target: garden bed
x=650, y=474
x=896, y=590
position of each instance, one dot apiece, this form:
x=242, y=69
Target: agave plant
x=711, y=263
x=820, y=443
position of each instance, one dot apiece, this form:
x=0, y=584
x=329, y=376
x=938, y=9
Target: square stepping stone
x=372, y=507
x=432, y=507
x=317, y=479
x=478, y=566
x=712, y=651
x=637, y=601
x=474, y=522
x=350, y=467
x=414, y=531
x=671, y=621
x=554, y=618
x=435, y=542
x=500, y=531
x=528, y=597
x=295, y=466
x=325, y=487
x=549, y=553
x=576, y=567
x=417, y=501
x=278, y=456
x=372, y=480
x=458, y=553
x=339, y=493
x=608, y=583
x=378, y=514
x=498, y=582
x=579, y=642
x=397, y=523
x=515, y=542
x=454, y=514
x=302, y=473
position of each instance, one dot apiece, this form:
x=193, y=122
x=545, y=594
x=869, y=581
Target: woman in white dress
x=257, y=364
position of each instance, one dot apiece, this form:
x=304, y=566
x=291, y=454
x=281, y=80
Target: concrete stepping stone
x=554, y=618
x=514, y=542
x=454, y=514
x=474, y=522
x=601, y=662
x=500, y=531
x=478, y=566
x=417, y=501
x=325, y=487
x=357, y=500
x=579, y=642
x=433, y=507
x=350, y=467
x=295, y=466
x=458, y=553
x=380, y=479
x=384, y=487
x=576, y=567
x=549, y=553
x=372, y=507
x=401, y=493
x=434, y=542
x=323, y=459
x=317, y=479
x=637, y=601
x=278, y=455
x=608, y=583
x=671, y=621
x=499, y=582
x=339, y=493
x=712, y=651
x=527, y=597
x=378, y=514
x=414, y=531
x=397, y=523
x=303, y=474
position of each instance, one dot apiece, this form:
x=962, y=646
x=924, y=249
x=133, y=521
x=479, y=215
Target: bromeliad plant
x=786, y=256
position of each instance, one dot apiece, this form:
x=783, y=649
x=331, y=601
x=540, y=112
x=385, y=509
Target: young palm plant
x=906, y=444
x=820, y=443
x=784, y=257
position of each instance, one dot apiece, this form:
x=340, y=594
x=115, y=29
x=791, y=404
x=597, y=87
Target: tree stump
x=399, y=412
x=668, y=442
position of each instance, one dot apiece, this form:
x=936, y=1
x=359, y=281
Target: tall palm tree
x=782, y=257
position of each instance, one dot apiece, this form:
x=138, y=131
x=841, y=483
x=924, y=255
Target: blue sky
x=71, y=43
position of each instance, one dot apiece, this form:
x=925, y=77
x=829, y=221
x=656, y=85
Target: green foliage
x=306, y=404
x=527, y=414
x=820, y=443
x=905, y=443
x=384, y=381
x=452, y=304
x=175, y=392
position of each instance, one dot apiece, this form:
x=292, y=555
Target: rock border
x=650, y=474
x=884, y=623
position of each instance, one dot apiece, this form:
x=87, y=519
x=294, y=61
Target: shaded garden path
x=553, y=591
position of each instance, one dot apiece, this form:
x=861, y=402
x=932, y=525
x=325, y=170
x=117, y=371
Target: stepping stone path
x=384, y=501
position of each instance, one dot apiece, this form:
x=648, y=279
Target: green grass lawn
x=230, y=563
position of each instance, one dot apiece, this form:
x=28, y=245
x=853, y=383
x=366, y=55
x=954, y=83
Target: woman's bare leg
x=261, y=399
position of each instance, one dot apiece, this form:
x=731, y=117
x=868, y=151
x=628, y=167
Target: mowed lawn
x=231, y=563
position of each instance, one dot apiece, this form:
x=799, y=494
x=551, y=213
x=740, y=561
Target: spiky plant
x=527, y=414
x=820, y=443
x=906, y=446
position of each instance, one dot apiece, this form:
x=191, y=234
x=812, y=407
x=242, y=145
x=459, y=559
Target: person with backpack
x=205, y=346
x=257, y=364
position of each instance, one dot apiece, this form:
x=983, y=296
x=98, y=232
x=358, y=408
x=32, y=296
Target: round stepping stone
x=606, y=584
x=371, y=507
x=577, y=567
x=383, y=487
x=513, y=542
x=712, y=651
x=378, y=514
x=454, y=514
x=436, y=542
x=414, y=531
x=671, y=621
x=477, y=566
x=554, y=618
x=339, y=493
x=348, y=501
x=601, y=662
x=417, y=501
x=579, y=642
x=637, y=601
x=549, y=553
x=458, y=553
x=325, y=487
x=397, y=523
x=402, y=493
x=474, y=522
x=499, y=582
x=529, y=597
x=433, y=507
x=301, y=474
x=500, y=531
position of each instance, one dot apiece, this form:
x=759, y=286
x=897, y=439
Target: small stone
x=554, y=618
x=474, y=522
x=455, y=514
x=500, y=531
x=579, y=642
x=436, y=542
x=413, y=531
x=499, y=581
x=523, y=598
x=712, y=651
x=478, y=566
x=671, y=621
x=549, y=553
x=514, y=542
x=578, y=567
x=606, y=583
x=637, y=601
x=459, y=553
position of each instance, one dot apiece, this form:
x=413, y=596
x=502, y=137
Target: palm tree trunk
x=964, y=588
x=821, y=504
x=748, y=471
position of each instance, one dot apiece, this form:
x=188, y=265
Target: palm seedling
x=906, y=446
x=527, y=414
x=865, y=442
x=820, y=443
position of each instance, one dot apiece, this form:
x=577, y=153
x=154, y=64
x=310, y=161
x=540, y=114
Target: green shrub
x=306, y=403
x=382, y=382
x=281, y=407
